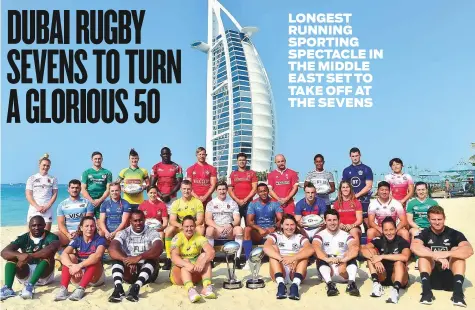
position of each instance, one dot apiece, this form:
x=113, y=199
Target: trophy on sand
x=255, y=264
x=230, y=249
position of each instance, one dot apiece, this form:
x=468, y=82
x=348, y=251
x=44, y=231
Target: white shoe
x=416, y=267
x=377, y=290
x=246, y=266
x=393, y=296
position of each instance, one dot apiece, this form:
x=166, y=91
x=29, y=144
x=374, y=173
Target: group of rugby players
x=95, y=217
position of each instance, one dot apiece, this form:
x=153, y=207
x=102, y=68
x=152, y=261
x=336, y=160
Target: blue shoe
x=6, y=292
x=294, y=292
x=27, y=292
x=281, y=291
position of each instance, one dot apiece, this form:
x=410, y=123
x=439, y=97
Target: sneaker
x=416, y=267
x=77, y=295
x=6, y=292
x=133, y=294
x=193, y=295
x=458, y=300
x=167, y=265
x=393, y=296
x=331, y=289
x=246, y=266
x=27, y=292
x=377, y=290
x=294, y=292
x=62, y=294
x=208, y=292
x=239, y=263
x=281, y=291
x=427, y=298
x=118, y=294
x=352, y=289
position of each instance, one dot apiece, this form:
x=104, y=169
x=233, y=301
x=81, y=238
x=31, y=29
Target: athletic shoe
x=352, y=289
x=281, y=291
x=133, y=294
x=294, y=292
x=27, y=292
x=167, y=265
x=377, y=290
x=427, y=298
x=239, y=263
x=393, y=296
x=6, y=292
x=62, y=294
x=331, y=289
x=208, y=292
x=118, y=294
x=458, y=300
x=246, y=266
x=193, y=295
x=77, y=295
x=416, y=267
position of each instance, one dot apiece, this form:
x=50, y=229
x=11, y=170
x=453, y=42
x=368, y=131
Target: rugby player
x=443, y=253
x=360, y=177
x=417, y=210
x=323, y=180
x=70, y=212
x=34, y=265
x=186, y=205
x=134, y=175
x=41, y=192
x=387, y=258
x=336, y=252
x=135, y=250
x=283, y=185
x=382, y=207
x=155, y=211
x=114, y=215
x=203, y=177
x=167, y=177
x=288, y=253
x=192, y=256
x=402, y=185
x=350, y=210
x=243, y=185
x=95, y=183
x=310, y=204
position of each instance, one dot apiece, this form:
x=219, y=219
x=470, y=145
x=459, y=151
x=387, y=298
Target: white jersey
x=222, y=211
x=288, y=246
x=334, y=245
x=135, y=244
x=321, y=180
x=381, y=210
x=42, y=187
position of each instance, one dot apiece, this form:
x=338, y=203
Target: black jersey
x=385, y=246
x=444, y=241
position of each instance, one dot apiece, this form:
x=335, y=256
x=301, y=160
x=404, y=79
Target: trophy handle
x=227, y=264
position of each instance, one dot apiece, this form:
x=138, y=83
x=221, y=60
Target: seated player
x=443, y=253
x=336, y=252
x=34, y=265
x=155, y=210
x=114, y=214
x=82, y=261
x=288, y=252
x=136, y=251
x=190, y=264
x=417, y=210
x=350, y=210
x=186, y=205
x=387, y=258
x=223, y=219
x=382, y=207
x=310, y=204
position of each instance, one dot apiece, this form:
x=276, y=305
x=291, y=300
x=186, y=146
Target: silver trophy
x=230, y=249
x=255, y=264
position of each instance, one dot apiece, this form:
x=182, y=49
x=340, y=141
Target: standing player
x=443, y=253
x=323, y=180
x=283, y=185
x=41, y=192
x=243, y=185
x=402, y=186
x=95, y=183
x=115, y=213
x=350, y=210
x=310, y=204
x=203, y=177
x=417, y=210
x=360, y=177
x=167, y=176
x=134, y=175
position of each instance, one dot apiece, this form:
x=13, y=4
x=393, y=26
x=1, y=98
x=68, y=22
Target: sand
x=162, y=294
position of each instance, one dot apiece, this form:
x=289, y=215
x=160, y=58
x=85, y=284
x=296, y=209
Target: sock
x=10, y=270
x=206, y=282
x=325, y=271
x=425, y=280
x=145, y=272
x=279, y=277
x=374, y=277
x=247, y=245
x=40, y=268
x=88, y=275
x=168, y=245
x=368, y=240
x=397, y=285
x=188, y=284
x=298, y=278
x=65, y=276
x=210, y=240
x=118, y=272
x=238, y=239
x=458, y=283
x=352, y=269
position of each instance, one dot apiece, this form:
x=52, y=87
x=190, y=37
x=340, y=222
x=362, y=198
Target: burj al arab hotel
x=239, y=104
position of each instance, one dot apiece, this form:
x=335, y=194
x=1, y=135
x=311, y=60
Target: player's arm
x=317, y=246
x=164, y=223
x=353, y=250
x=124, y=223
x=48, y=251
x=359, y=219
x=200, y=218
x=366, y=189
x=177, y=260
x=231, y=193
x=250, y=222
x=209, y=252
x=372, y=223
x=418, y=248
x=55, y=194
x=174, y=221
x=102, y=223
x=94, y=258
x=62, y=226
x=272, y=193
x=332, y=187
x=176, y=188
x=271, y=251
x=115, y=250
x=410, y=220
x=85, y=193
x=31, y=200
x=65, y=259
x=236, y=219
x=209, y=219
x=410, y=193
x=252, y=193
x=403, y=257
x=463, y=251
x=367, y=250
x=402, y=219
x=305, y=252
x=10, y=252
x=154, y=252
x=292, y=193
x=213, y=181
x=147, y=182
x=106, y=193
x=298, y=218
x=278, y=219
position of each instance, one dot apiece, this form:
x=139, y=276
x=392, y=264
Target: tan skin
x=352, y=229
x=96, y=165
x=242, y=163
x=397, y=169
x=115, y=196
x=280, y=162
x=153, y=198
x=201, y=160
x=319, y=162
x=228, y=230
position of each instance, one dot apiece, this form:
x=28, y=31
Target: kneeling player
x=136, y=250
x=387, y=257
x=336, y=252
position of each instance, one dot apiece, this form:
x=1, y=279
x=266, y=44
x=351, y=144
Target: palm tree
x=261, y=176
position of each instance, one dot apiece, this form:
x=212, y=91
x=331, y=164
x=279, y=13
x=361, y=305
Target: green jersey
x=419, y=210
x=28, y=245
x=96, y=181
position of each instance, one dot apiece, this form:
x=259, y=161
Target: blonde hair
x=340, y=195
x=200, y=149
x=45, y=157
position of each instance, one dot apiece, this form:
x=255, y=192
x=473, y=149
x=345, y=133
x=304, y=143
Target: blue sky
x=423, y=90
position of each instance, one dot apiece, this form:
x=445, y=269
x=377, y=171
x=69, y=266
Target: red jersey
x=167, y=175
x=282, y=183
x=242, y=181
x=200, y=177
x=154, y=210
x=347, y=210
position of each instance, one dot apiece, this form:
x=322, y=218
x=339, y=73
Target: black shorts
x=365, y=206
x=389, y=266
x=243, y=210
x=442, y=279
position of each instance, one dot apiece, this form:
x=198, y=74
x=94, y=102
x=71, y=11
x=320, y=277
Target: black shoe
x=281, y=291
x=331, y=289
x=118, y=294
x=352, y=289
x=294, y=292
x=133, y=294
x=458, y=300
x=239, y=263
x=427, y=298
x=167, y=265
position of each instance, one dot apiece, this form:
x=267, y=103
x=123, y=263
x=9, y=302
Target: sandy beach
x=162, y=294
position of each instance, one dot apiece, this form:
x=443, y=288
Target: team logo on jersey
x=145, y=212
x=228, y=206
x=396, y=251
x=430, y=241
x=215, y=206
x=159, y=213
x=437, y=248
x=355, y=181
x=341, y=244
x=446, y=240
x=207, y=172
x=281, y=244
x=194, y=172
x=392, y=209
x=104, y=176
x=360, y=172
x=404, y=178
x=295, y=247
x=326, y=243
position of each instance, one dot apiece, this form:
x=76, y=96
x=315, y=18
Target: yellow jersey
x=191, y=248
x=182, y=208
x=133, y=176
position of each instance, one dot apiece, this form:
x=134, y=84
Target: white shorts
x=169, y=205
x=48, y=215
x=41, y=281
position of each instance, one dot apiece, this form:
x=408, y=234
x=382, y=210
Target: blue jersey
x=265, y=214
x=114, y=211
x=357, y=176
x=83, y=249
x=303, y=208
x=73, y=211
